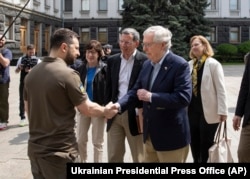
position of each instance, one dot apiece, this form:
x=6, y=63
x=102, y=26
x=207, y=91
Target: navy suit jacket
x=243, y=102
x=112, y=86
x=165, y=118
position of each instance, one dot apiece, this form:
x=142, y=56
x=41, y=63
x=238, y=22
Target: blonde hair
x=208, y=50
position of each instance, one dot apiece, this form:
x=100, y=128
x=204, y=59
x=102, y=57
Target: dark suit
x=113, y=71
x=242, y=110
x=243, y=103
x=165, y=118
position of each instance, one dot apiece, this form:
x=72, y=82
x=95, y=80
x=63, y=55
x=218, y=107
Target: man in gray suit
x=122, y=72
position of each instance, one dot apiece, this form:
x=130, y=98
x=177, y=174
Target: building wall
x=52, y=13
x=35, y=14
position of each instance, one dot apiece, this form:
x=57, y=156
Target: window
x=212, y=5
x=36, y=2
x=103, y=5
x=47, y=38
x=234, y=36
x=85, y=35
x=23, y=34
x=55, y=5
x=37, y=38
x=47, y=4
x=85, y=5
x=68, y=5
x=212, y=37
x=9, y=34
x=120, y=3
x=234, y=5
x=103, y=35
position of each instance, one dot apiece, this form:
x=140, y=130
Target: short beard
x=69, y=59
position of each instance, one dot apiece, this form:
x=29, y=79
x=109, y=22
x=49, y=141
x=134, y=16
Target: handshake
x=111, y=109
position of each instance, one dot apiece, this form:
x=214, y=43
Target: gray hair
x=161, y=34
x=133, y=32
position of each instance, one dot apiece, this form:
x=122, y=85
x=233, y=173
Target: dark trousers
x=21, y=101
x=50, y=167
x=4, y=103
x=202, y=136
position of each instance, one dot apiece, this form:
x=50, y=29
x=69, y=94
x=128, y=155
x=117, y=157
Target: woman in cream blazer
x=209, y=106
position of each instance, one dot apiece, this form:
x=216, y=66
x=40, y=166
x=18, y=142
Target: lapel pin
x=165, y=68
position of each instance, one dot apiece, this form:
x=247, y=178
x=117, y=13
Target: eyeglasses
x=125, y=42
x=146, y=45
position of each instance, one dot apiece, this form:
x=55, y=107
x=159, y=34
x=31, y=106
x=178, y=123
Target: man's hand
x=236, y=122
x=19, y=68
x=110, y=110
x=144, y=95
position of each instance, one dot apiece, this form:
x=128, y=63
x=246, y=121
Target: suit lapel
x=116, y=71
x=135, y=70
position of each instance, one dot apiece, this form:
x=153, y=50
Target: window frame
x=234, y=35
x=120, y=3
x=212, y=37
x=102, y=5
x=234, y=5
x=102, y=35
x=85, y=3
x=85, y=35
x=213, y=5
x=10, y=33
x=68, y=5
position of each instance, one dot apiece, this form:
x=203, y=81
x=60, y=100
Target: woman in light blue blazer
x=208, y=106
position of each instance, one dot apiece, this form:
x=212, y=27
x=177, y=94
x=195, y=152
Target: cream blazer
x=213, y=92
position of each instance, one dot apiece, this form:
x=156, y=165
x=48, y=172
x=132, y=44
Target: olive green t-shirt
x=52, y=90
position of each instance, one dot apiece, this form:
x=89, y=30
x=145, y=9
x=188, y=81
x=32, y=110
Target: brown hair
x=96, y=45
x=208, y=50
x=62, y=35
x=30, y=47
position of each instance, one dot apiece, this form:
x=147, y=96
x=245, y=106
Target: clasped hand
x=144, y=95
x=110, y=110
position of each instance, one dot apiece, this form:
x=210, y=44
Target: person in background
x=122, y=72
x=51, y=113
x=106, y=52
x=5, y=59
x=24, y=65
x=208, y=106
x=164, y=86
x=93, y=76
x=242, y=110
x=107, y=49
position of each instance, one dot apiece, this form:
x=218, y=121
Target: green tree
x=183, y=17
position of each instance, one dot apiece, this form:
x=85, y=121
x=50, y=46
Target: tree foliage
x=184, y=18
x=244, y=47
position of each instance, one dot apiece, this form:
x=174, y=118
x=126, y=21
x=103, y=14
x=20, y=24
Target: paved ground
x=14, y=163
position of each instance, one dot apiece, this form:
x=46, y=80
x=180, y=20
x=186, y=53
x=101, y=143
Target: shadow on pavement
x=22, y=138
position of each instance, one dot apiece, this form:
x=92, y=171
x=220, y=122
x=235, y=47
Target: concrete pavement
x=14, y=163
